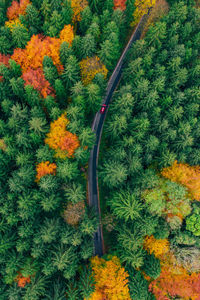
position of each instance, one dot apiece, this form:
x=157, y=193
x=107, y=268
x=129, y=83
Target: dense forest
x=56, y=57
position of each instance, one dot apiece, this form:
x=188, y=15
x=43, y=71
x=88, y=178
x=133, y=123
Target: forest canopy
x=56, y=57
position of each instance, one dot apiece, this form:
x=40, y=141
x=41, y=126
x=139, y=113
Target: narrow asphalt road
x=97, y=127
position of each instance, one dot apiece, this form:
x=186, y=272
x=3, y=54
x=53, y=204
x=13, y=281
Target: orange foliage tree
x=31, y=58
x=37, y=80
x=111, y=279
x=156, y=246
x=40, y=46
x=17, y=8
x=77, y=7
x=13, y=23
x=61, y=140
x=22, y=281
x=90, y=67
x=170, y=284
x=45, y=168
x=67, y=34
x=121, y=4
x=174, y=280
x=187, y=175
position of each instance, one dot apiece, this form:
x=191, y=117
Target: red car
x=103, y=109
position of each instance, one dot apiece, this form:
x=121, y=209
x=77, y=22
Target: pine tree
x=20, y=37
x=126, y=206
x=86, y=19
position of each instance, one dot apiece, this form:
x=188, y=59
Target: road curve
x=97, y=127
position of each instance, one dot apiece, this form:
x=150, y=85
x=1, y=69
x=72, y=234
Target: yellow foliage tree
x=142, y=7
x=77, y=7
x=187, y=175
x=61, y=140
x=111, y=279
x=155, y=246
x=13, y=23
x=90, y=67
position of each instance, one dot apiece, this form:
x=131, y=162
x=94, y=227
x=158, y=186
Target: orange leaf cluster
x=170, y=284
x=22, y=281
x=37, y=80
x=77, y=7
x=90, y=67
x=61, y=140
x=121, y=4
x=40, y=46
x=111, y=280
x=45, y=168
x=17, y=8
x=155, y=246
x=187, y=175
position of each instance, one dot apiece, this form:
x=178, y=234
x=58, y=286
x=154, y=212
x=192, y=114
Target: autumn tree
x=37, y=79
x=156, y=246
x=17, y=8
x=111, y=279
x=186, y=175
x=61, y=140
x=142, y=8
x=38, y=47
x=90, y=67
x=121, y=4
x=77, y=7
x=45, y=168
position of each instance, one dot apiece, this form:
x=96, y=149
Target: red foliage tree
x=121, y=4
x=170, y=284
x=37, y=80
x=4, y=59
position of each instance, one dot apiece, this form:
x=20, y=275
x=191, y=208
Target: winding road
x=97, y=127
